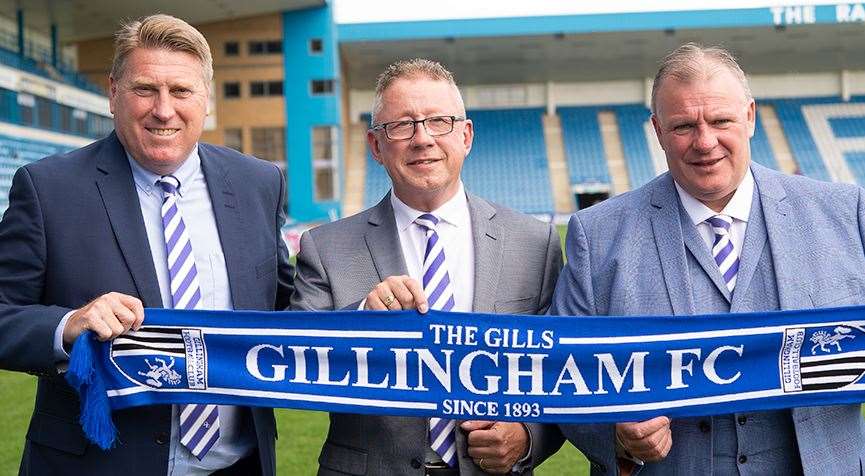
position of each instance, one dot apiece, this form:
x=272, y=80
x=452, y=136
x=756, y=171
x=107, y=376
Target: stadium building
x=559, y=102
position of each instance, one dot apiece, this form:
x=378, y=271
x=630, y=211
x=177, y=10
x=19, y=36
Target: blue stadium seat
x=507, y=164
x=638, y=158
x=15, y=152
x=584, y=146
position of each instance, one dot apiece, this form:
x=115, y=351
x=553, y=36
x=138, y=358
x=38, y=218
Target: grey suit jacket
x=517, y=261
x=627, y=256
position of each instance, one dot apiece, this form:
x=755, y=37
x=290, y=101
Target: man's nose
x=422, y=138
x=163, y=107
x=706, y=138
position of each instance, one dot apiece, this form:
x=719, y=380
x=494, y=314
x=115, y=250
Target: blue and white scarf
x=475, y=366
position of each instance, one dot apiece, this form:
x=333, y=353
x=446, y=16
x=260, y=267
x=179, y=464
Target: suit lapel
x=117, y=189
x=782, y=236
x=383, y=243
x=229, y=224
x=488, y=253
x=752, y=247
x=697, y=246
x=667, y=228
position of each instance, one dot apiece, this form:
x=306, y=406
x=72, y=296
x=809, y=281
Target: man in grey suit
x=490, y=259
x=718, y=234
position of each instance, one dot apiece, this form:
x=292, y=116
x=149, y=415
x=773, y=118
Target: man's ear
x=374, y=147
x=468, y=135
x=657, y=126
x=752, y=117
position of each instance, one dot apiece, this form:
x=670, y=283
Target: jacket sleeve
x=26, y=325
x=284, y=271
x=574, y=296
x=312, y=287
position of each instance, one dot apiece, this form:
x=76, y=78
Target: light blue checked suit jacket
x=627, y=256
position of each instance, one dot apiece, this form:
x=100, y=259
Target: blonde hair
x=692, y=61
x=160, y=32
x=413, y=68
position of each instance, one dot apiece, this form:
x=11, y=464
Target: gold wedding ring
x=388, y=300
x=481, y=464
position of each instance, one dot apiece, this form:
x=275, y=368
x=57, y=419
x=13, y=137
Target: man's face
x=425, y=170
x=704, y=127
x=159, y=105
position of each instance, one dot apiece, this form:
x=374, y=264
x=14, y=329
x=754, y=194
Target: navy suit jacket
x=627, y=256
x=74, y=231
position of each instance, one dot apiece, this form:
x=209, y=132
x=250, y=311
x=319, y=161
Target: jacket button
x=161, y=438
x=705, y=427
x=742, y=419
x=743, y=459
x=415, y=463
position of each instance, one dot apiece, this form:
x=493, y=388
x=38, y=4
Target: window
x=324, y=163
x=316, y=46
x=233, y=138
x=270, y=47
x=321, y=86
x=265, y=88
x=268, y=143
x=231, y=90
x=232, y=48
x=26, y=105
x=43, y=112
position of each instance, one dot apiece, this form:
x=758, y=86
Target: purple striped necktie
x=199, y=424
x=439, y=291
x=723, y=251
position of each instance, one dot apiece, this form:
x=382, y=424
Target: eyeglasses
x=404, y=130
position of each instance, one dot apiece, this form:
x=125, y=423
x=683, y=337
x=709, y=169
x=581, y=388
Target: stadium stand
x=507, y=164
x=638, y=158
x=584, y=146
x=761, y=150
x=799, y=136
x=14, y=153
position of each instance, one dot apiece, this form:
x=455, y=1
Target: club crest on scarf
x=822, y=358
x=162, y=357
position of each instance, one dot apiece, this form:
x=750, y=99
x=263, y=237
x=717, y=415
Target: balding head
x=692, y=62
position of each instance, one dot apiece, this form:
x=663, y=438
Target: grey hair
x=692, y=61
x=160, y=32
x=413, y=68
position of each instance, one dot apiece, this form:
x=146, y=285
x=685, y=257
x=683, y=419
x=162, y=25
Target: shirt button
x=705, y=427
x=161, y=438
x=743, y=459
x=415, y=463
x=742, y=419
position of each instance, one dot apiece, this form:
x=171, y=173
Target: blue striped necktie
x=199, y=424
x=440, y=295
x=726, y=257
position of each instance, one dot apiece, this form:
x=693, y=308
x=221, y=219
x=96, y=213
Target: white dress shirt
x=738, y=208
x=455, y=232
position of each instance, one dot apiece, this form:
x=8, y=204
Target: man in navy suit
x=718, y=234
x=82, y=248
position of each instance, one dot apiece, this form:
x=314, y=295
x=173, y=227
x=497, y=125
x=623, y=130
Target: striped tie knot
x=169, y=184
x=723, y=251
x=720, y=223
x=428, y=221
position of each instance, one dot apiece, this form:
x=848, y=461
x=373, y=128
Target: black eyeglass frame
x=383, y=126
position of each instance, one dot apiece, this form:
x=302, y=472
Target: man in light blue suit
x=718, y=234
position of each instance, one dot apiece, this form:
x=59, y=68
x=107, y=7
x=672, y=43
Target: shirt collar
x=739, y=206
x=146, y=180
x=455, y=211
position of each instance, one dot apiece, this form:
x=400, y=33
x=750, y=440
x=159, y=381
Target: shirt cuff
x=61, y=357
x=362, y=304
